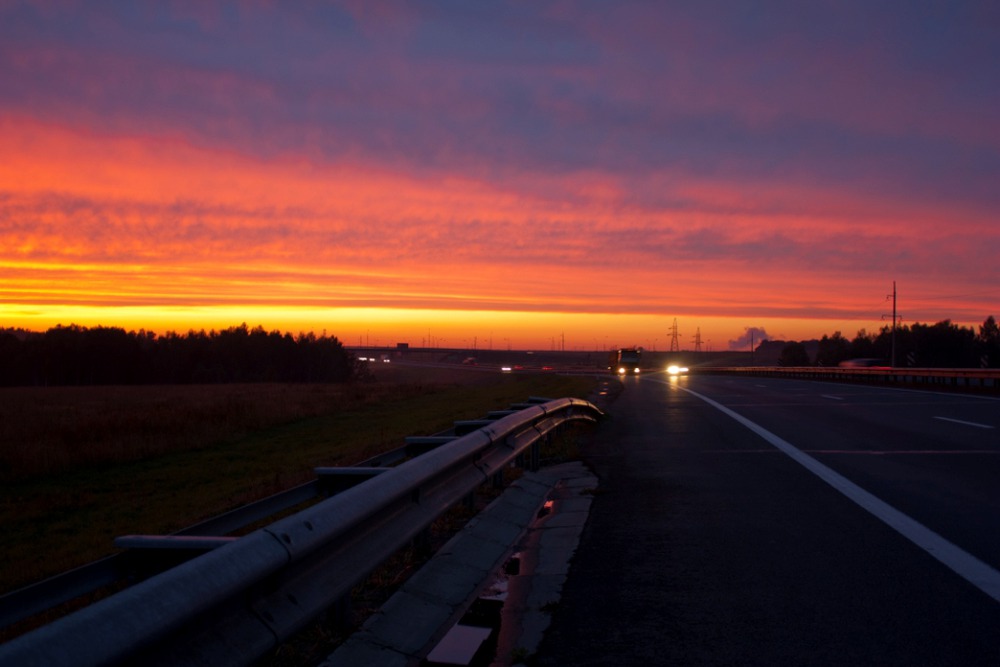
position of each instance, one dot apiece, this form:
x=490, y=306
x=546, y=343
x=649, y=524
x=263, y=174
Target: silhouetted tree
x=989, y=343
x=12, y=362
x=77, y=355
x=794, y=354
x=944, y=345
x=863, y=346
x=833, y=349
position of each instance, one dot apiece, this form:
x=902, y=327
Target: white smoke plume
x=756, y=335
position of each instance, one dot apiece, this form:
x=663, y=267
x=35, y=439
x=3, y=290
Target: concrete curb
x=545, y=551
x=429, y=604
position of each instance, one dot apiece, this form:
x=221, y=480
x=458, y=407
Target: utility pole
x=892, y=360
x=892, y=364
x=697, y=341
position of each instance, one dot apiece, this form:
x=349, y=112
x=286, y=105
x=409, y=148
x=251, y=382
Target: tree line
x=76, y=355
x=940, y=345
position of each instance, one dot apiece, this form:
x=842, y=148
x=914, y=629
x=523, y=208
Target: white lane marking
x=867, y=452
x=832, y=397
x=964, y=564
x=959, y=421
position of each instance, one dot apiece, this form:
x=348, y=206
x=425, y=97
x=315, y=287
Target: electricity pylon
x=675, y=345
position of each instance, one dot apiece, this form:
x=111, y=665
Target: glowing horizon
x=454, y=185
x=385, y=327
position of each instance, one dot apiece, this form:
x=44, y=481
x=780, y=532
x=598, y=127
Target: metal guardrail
x=244, y=596
x=963, y=378
x=31, y=600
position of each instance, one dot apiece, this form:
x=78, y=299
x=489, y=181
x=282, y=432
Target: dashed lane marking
x=964, y=564
x=960, y=421
x=867, y=452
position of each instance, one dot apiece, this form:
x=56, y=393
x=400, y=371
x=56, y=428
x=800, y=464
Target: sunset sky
x=505, y=174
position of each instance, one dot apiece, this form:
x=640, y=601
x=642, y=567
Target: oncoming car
x=677, y=369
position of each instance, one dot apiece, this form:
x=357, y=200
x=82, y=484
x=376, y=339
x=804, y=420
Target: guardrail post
x=340, y=612
x=422, y=542
x=519, y=460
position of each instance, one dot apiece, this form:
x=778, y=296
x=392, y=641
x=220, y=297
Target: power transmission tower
x=675, y=345
x=697, y=340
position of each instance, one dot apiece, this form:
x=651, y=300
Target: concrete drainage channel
x=485, y=597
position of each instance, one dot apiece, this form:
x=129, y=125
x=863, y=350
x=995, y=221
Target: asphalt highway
x=741, y=521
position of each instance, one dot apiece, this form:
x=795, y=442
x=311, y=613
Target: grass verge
x=219, y=461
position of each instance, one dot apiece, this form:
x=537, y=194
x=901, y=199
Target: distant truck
x=625, y=361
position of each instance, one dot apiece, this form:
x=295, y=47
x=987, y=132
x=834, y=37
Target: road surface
x=742, y=521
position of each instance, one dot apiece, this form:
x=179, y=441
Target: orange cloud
x=108, y=229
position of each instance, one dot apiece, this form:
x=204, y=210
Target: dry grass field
x=80, y=466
